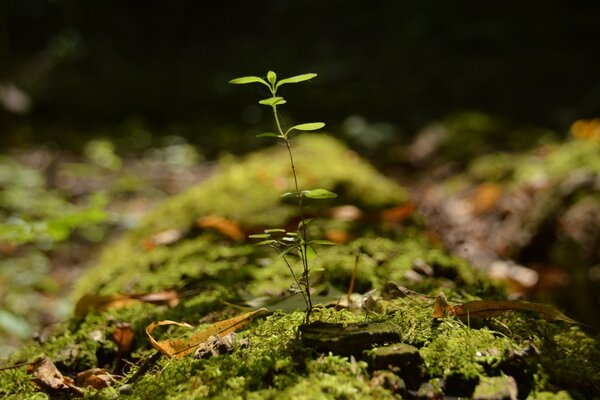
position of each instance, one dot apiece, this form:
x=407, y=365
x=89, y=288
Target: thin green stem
x=303, y=230
x=293, y=276
x=303, y=233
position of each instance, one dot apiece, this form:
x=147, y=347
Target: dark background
x=110, y=67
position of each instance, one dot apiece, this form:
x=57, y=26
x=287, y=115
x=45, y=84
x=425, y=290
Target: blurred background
x=107, y=107
x=72, y=69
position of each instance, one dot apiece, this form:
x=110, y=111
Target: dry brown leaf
x=123, y=337
x=50, y=379
x=106, y=302
x=96, y=378
x=485, y=198
x=489, y=308
x=222, y=225
x=101, y=302
x=337, y=236
x=179, y=347
x=398, y=213
x=492, y=308
x=441, y=308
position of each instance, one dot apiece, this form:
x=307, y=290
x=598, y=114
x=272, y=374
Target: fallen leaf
x=485, y=198
x=492, y=308
x=180, y=347
x=222, y=225
x=441, y=307
x=164, y=238
x=106, y=302
x=398, y=213
x=123, y=337
x=50, y=379
x=96, y=378
x=489, y=308
x=337, y=236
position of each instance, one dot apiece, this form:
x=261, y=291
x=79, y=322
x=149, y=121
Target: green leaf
x=271, y=77
x=274, y=230
x=248, y=79
x=324, y=242
x=319, y=194
x=260, y=236
x=293, y=194
x=311, y=126
x=271, y=101
x=270, y=241
x=305, y=222
x=295, y=79
x=268, y=134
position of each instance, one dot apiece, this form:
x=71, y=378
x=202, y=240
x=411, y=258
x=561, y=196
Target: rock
x=388, y=380
x=428, y=391
x=217, y=345
x=496, y=388
x=348, y=339
x=401, y=358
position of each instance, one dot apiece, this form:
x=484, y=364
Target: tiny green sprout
x=280, y=240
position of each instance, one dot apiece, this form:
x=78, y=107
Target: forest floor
x=128, y=240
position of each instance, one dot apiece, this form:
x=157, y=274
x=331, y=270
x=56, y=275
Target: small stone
x=429, y=391
x=404, y=359
x=496, y=388
x=388, y=380
x=218, y=345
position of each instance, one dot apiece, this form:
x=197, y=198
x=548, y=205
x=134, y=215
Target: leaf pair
x=309, y=126
x=312, y=194
x=272, y=77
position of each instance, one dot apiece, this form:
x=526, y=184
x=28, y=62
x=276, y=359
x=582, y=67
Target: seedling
x=282, y=241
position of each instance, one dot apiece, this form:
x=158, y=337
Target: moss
x=248, y=193
x=210, y=270
x=457, y=349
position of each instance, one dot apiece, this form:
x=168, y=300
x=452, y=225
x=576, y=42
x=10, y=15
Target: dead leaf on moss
x=105, y=302
x=222, y=225
x=493, y=308
x=51, y=380
x=399, y=213
x=123, y=337
x=180, y=347
x=441, y=307
x=97, y=378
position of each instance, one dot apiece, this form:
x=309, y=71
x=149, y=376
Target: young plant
x=280, y=240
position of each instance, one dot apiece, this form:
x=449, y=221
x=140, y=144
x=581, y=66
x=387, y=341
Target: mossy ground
x=213, y=272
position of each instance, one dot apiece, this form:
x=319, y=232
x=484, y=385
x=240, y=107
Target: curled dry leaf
x=105, y=302
x=222, y=225
x=45, y=374
x=180, y=347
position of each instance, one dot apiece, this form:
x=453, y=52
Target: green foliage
x=298, y=240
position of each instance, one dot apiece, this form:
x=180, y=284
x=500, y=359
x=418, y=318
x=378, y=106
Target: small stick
x=353, y=277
